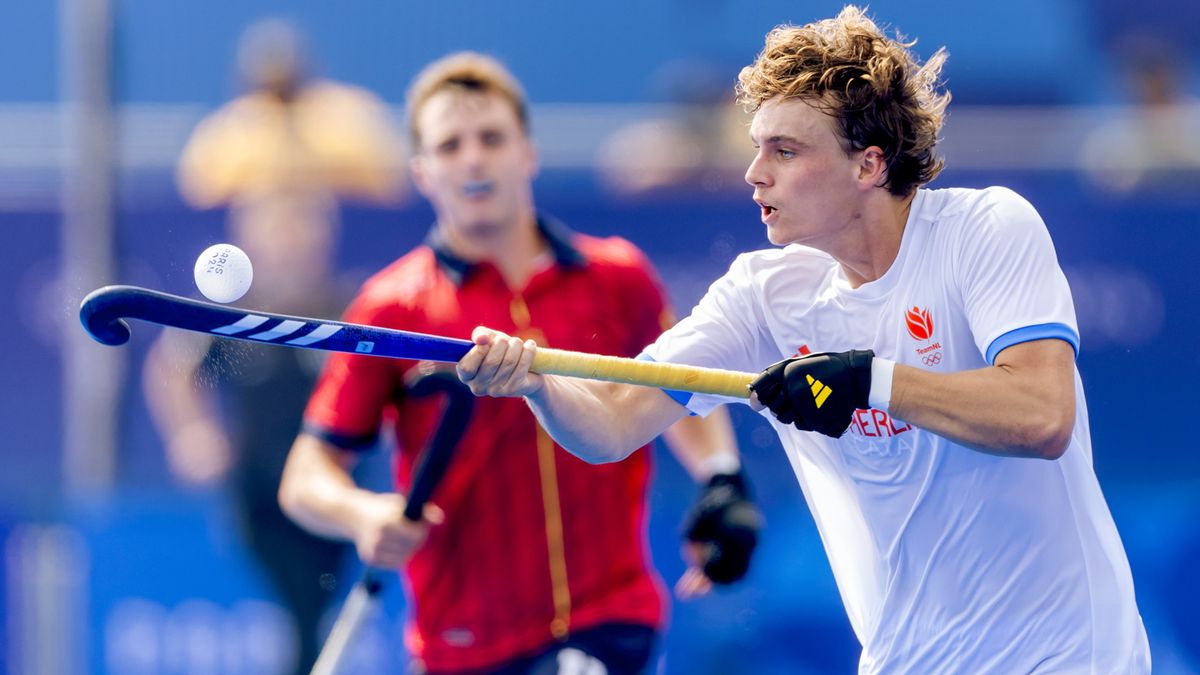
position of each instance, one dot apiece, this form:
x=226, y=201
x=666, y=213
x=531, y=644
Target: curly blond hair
x=468, y=72
x=873, y=85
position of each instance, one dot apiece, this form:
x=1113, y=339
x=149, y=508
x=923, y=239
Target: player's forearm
x=705, y=446
x=598, y=422
x=318, y=493
x=993, y=409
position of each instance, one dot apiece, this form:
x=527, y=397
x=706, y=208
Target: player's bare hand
x=498, y=365
x=693, y=583
x=384, y=537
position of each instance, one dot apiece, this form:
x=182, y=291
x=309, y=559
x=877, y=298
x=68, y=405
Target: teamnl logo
x=919, y=323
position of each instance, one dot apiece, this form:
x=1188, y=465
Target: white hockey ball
x=223, y=273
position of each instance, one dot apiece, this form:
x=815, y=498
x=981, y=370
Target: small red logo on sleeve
x=919, y=323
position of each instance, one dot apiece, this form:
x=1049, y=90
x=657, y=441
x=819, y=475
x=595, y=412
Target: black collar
x=557, y=235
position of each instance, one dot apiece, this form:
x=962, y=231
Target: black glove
x=725, y=523
x=818, y=392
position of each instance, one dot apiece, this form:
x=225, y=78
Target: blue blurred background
x=1088, y=109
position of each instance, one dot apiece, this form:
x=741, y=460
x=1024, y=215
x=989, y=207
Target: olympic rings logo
x=933, y=359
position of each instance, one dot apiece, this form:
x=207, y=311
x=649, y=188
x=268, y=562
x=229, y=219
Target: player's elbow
x=288, y=496
x=291, y=492
x=1047, y=435
x=601, y=454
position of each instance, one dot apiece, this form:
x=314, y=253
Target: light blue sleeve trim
x=680, y=397
x=1041, y=331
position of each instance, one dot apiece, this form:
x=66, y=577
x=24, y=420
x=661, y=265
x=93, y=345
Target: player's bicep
x=1046, y=369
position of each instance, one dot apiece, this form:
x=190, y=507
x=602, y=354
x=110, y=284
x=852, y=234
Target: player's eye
x=492, y=139
x=784, y=153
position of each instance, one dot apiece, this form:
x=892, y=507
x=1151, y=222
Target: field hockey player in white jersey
x=917, y=350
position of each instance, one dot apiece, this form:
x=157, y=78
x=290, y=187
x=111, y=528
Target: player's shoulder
x=959, y=213
x=403, y=283
x=332, y=91
x=609, y=252
x=951, y=203
x=252, y=106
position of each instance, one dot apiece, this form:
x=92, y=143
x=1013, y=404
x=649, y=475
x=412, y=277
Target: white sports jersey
x=948, y=560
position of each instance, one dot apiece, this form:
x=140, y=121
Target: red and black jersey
x=536, y=543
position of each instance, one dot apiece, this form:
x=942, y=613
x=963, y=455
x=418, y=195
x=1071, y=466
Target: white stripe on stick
x=284, y=328
x=323, y=331
x=244, y=324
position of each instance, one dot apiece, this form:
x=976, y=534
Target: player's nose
x=756, y=173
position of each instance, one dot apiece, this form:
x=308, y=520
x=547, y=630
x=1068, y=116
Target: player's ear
x=872, y=166
x=416, y=166
x=533, y=157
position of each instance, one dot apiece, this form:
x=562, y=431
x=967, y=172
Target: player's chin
x=777, y=236
x=481, y=225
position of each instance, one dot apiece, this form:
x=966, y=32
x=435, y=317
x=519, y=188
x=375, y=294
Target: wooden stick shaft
x=645, y=373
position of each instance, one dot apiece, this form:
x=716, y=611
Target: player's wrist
x=538, y=392
x=725, y=462
x=882, y=371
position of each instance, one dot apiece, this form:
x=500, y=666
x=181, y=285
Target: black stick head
x=100, y=314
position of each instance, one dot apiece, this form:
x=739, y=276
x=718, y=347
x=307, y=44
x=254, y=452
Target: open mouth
x=479, y=188
x=767, y=209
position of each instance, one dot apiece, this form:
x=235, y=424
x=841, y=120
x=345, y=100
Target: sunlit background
x=111, y=564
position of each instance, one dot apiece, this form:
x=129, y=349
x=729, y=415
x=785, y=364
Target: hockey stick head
x=100, y=313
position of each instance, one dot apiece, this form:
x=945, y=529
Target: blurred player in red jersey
x=532, y=561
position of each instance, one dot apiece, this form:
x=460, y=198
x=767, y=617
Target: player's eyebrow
x=780, y=139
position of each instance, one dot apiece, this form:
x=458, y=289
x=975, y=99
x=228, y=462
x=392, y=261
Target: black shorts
x=608, y=649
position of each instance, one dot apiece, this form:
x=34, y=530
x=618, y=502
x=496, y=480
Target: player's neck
x=871, y=248
x=514, y=249
x=517, y=258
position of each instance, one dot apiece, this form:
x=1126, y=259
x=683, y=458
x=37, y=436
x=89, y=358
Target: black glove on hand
x=819, y=392
x=725, y=523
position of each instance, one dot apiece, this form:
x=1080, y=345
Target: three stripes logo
x=283, y=329
x=819, y=390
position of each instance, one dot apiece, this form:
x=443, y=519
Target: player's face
x=808, y=189
x=475, y=164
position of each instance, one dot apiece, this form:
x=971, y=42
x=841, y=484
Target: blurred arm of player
x=604, y=422
x=720, y=532
x=318, y=492
x=198, y=449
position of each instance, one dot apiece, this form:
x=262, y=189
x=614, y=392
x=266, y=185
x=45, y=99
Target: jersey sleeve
x=724, y=330
x=1013, y=288
x=347, y=404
